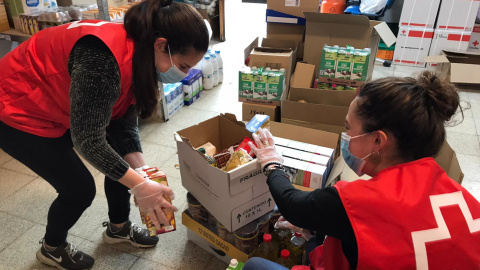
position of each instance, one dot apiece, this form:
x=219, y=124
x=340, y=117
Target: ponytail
x=183, y=28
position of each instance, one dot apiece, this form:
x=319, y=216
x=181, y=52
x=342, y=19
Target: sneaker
x=129, y=233
x=65, y=257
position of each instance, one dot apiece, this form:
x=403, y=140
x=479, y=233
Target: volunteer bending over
x=410, y=215
x=82, y=85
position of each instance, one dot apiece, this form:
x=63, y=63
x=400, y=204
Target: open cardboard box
x=293, y=8
x=249, y=110
x=240, y=196
x=325, y=109
x=274, y=54
x=457, y=67
x=343, y=30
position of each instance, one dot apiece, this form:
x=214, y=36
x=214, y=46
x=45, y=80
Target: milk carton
x=344, y=64
x=245, y=83
x=276, y=85
x=260, y=84
x=360, y=61
x=328, y=62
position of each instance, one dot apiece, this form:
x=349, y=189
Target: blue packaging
x=258, y=121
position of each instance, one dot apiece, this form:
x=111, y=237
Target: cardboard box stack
x=474, y=44
x=230, y=209
x=447, y=25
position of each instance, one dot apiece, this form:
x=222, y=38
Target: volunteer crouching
x=82, y=85
x=410, y=215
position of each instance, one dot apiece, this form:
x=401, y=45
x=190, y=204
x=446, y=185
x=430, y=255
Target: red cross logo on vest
x=457, y=234
x=475, y=43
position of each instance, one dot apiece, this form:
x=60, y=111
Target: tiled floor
x=25, y=198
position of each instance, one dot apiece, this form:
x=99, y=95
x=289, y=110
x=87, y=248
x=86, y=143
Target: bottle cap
x=297, y=234
x=285, y=254
x=207, y=57
x=217, y=51
x=202, y=150
x=233, y=262
x=267, y=238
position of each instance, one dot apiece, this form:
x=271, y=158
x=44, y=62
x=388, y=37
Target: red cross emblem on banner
x=475, y=43
x=455, y=243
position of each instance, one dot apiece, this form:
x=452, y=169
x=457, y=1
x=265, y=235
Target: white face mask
x=355, y=163
x=173, y=74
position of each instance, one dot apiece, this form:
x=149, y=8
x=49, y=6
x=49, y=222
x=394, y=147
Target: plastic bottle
x=281, y=237
x=297, y=248
x=284, y=259
x=210, y=159
x=207, y=71
x=235, y=265
x=213, y=59
x=220, y=66
x=267, y=249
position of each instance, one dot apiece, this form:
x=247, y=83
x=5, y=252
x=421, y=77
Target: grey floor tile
x=467, y=108
x=4, y=157
x=20, y=255
x=467, y=126
x=175, y=251
x=89, y=226
x=474, y=96
x=31, y=202
x=464, y=96
x=477, y=125
x=464, y=143
x=11, y=181
x=15, y=165
x=99, y=183
x=12, y=228
x=142, y=264
x=162, y=134
x=106, y=257
x=473, y=187
x=475, y=108
x=470, y=166
x=156, y=154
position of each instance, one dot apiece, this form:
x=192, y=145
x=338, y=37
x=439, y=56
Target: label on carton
x=260, y=86
x=360, y=65
x=292, y=3
x=246, y=84
x=276, y=81
x=252, y=210
x=344, y=65
x=328, y=62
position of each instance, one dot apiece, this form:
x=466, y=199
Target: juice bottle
x=281, y=237
x=284, y=259
x=267, y=249
x=297, y=248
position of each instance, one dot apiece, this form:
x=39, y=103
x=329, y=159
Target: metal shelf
x=14, y=35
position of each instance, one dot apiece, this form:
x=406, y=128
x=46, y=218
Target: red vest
x=409, y=216
x=35, y=83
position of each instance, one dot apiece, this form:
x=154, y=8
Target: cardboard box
x=450, y=40
x=446, y=158
x=419, y=13
x=413, y=45
x=457, y=14
x=343, y=30
x=325, y=109
x=303, y=76
x=210, y=247
x=249, y=110
x=290, y=32
x=457, y=67
x=240, y=196
x=474, y=44
x=295, y=8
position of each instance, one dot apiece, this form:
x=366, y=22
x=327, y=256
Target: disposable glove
x=265, y=149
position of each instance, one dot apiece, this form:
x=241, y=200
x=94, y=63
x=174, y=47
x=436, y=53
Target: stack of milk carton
x=173, y=100
x=192, y=86
x=428, y=27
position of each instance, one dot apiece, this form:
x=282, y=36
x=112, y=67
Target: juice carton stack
x=345, y=63
x=261, y=83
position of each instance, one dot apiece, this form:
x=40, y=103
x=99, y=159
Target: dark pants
x=54, y=160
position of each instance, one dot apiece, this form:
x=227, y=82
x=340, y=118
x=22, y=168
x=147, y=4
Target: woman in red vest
x=410, y=214
x=82, y=85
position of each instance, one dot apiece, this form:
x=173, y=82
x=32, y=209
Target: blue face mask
x=173, y=74
x=355, y=163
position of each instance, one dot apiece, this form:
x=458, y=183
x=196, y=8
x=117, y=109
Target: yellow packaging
x=239, y=158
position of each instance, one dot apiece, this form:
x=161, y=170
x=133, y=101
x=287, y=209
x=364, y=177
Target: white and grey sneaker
x=129, y=233
x=65, y=257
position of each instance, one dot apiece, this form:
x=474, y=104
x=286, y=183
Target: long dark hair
x=414, y=110
x=183, y=28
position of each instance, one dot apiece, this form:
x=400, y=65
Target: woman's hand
x=282, y=223
x=265, y=150
x=149, y=196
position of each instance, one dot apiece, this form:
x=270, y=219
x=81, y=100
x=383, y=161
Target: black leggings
x=55, y=161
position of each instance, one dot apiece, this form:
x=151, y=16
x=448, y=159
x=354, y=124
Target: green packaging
x=361, y=59
x=245, y=83
x=344, y=64
x=324, y=86
x=328, y=62
x=260, y=78
x=276, y=85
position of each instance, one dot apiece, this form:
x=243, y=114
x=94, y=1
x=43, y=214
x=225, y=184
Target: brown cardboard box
x=292, y=7
x=324, y=110
x=303, y=76
x=457, y=67
x=343, y=30
x=250, y=110
x=291, y=32
x=237, y=197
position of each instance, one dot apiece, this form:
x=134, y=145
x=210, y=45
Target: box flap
x=303, y=134
x=324, y=114
x=249, y=48
x=385, y=33
x=293, y=7
x=268, y=50
x=437, y=59
x=278, y=43
x=337, y=18
x=326, y=97
x=303, y=76
x=462, y=73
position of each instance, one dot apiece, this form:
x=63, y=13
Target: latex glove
x=265, y=149
x=149, y=198
x=282, y=223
